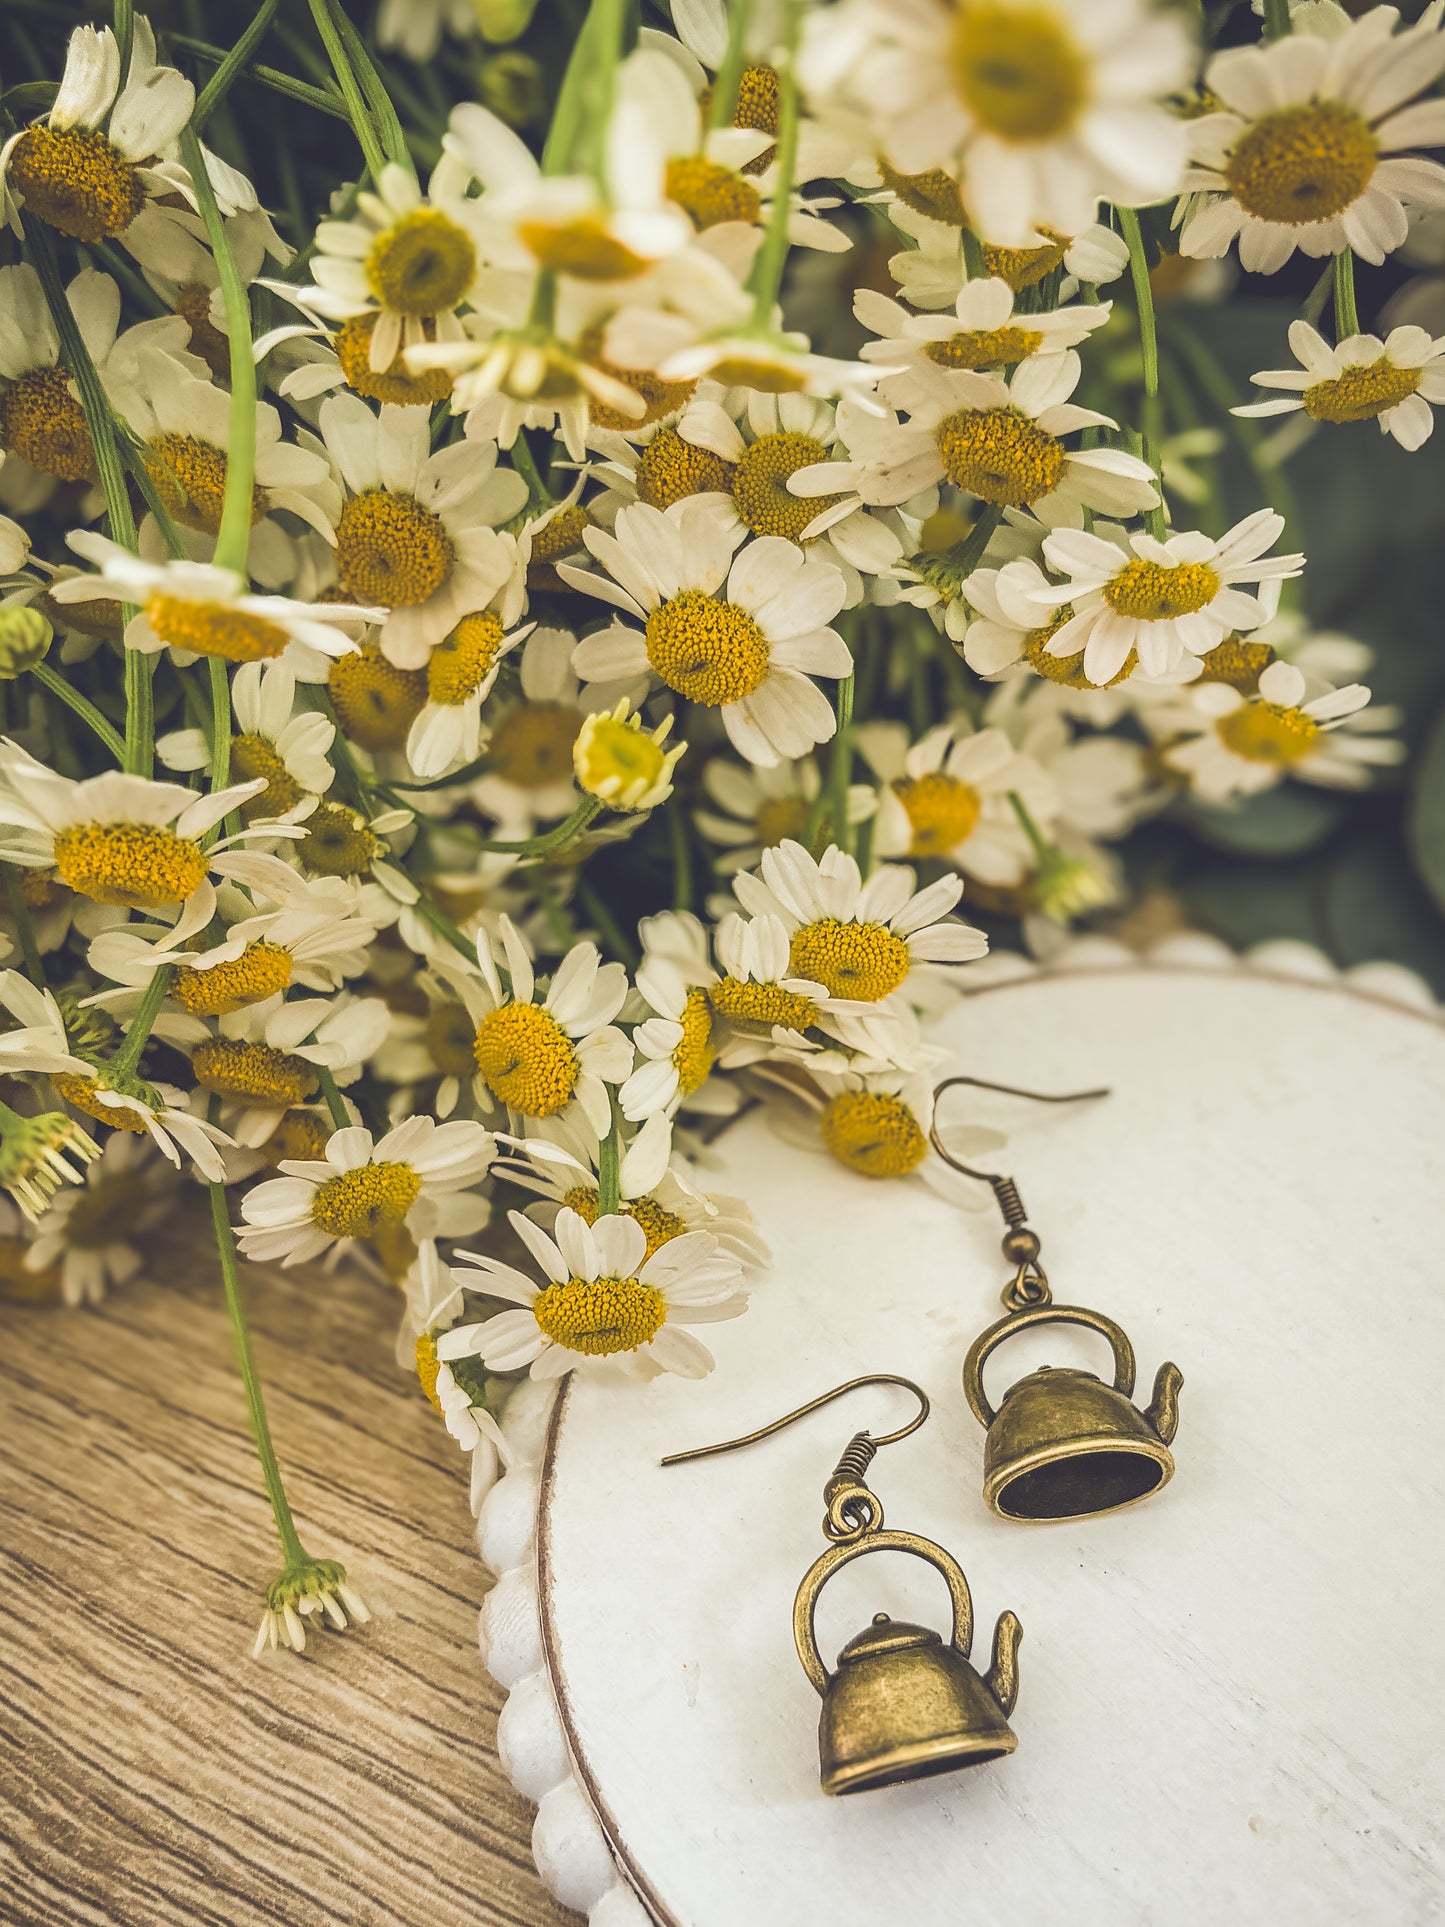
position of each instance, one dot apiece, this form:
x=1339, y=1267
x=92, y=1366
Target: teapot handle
x=827, y=1563
x=1017, y=1321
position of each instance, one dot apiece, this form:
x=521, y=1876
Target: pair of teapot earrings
x=903, y=1704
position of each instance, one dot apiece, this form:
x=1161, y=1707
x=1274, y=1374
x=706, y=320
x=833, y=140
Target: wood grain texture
x=150, y=1771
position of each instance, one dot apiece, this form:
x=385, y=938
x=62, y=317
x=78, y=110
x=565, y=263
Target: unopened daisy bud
x=40, y=1154
x=511, y=83
x=1066, y=887
x=623, y=764
x=503, y=20
x=25, y=636
x=308, y=1590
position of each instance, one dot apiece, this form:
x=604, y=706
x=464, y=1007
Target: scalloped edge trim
x=569, y=1844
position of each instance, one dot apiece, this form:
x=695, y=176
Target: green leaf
x=1425, y=822
x=1285, y=821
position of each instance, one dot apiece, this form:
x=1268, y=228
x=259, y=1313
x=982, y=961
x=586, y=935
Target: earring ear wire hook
x=1008, y=1090
x=814, y=1405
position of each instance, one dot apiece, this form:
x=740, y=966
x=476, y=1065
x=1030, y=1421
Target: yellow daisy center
x=214, y=628
x=80, y=1092
x=553, y=543
x=1302, y=164
x=375, y=702
x=781, y=817
x=300, y=1134
x=338, y=842
x=193, y=305
x=40, y=890
x=393, y=383
x=252, y=756
x=1150, y=592
x=659, y=398
x=391, y=550
x=1361, y=393
x=873, y=1133
x=615, y=758
x=526, y=1059
x=585, y=248
x=709, y=194
x=942, y=811
x=1026, y=267
x=759, y=97
x=1239, y=663
x=462, y=660
x=600, y=1317
x=709, y=651
x=356, y=1204
x=190, y=479
x=428, y=1365
x=983, y=347
x=933, y=193
x=259, y=972
x=422, y=264
x=1068, y=671
x=1017, y=70
x=138, y=866
x=769, y=377
x=1268, y=733
x=669, y=469
x=659, y=1226
x=759, y=485
x=254, y=1073
x=757, y=1008
x=97, y=616
x=999, y=455
x=74, y=179
x=532, y=744
x=693, y=1057
x=43, y=423
x=449, y=1038
x=860, y=961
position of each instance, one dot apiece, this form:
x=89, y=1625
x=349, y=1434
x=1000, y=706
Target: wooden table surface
x=151, y=1771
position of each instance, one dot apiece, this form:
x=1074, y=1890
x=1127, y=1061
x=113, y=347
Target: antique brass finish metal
x=1062, y=1445
x=903, y=1703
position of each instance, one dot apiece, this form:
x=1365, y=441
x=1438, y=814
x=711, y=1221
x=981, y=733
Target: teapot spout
x=1163, y=1412
x=1002, y=1678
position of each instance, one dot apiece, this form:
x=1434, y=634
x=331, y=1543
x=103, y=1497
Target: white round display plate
x=1229, y=1708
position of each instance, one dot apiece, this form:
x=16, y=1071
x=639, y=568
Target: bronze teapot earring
x=903, y=1703
x=1062, y=1444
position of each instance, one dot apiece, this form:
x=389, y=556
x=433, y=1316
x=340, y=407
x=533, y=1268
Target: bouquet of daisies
x=543, y=560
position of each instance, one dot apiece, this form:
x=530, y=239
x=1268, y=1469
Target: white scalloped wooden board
x=1227, y=1710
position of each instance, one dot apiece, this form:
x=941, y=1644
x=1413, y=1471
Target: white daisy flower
x=749, y=809
x=183, y=272
x=933, y=273
x=460, y=674
x=1044, y=108
x=459, y=1404
x=418, y=531
x=1394, y=381
x=1098, y=784
x=1237, y=745
x=95, y=1233
x=185, y=424
x=415, y=27
x=860, y=941
x=41, y=420
x=604, y=1302
x=198, y=609
x=122, y=840
x=362, y=1186
x=547, y=1058
x=750, y=653
x=286, y=747
x=263, y=1059
x=1002, y=441
x=946, y=797
x=530, y=777
x=675, y=1041
x=1165, y=600
x=1308, y=151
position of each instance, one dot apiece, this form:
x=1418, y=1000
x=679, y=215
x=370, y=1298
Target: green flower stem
x=554, y=839
x=83, y=707
x=1347, y=318
x=286, y=1531
x=681, y=856
x=605, y=924
x=324, y=100
x=24, y=928
x=729, y=74
x=101, y=425
x=335, y=1102
x=1277, y=22
x=609, y=1166
x=1038, y=842
x=233, y=64
x=444, y=927
x=388, y=127
x=1149, y=350
x=1319, y=294
x=233, y=542
x=767, y=273
x=973, y=261
x=540, y=497
x=478, y=766
x=576, y=140
x=138, y=1031
x=356, y=107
